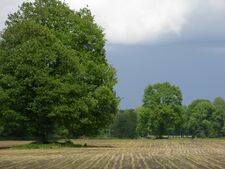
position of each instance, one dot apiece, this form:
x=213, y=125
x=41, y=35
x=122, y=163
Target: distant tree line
x=162, y=114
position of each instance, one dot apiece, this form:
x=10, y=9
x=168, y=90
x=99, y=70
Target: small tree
x=200, y=118
x=164, y=101
x=218, y=118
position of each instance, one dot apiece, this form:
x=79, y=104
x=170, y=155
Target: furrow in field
x=59, y=164
x=89, y=161
x=151, y=162
x=197, y=163
x=139, y=162
x=209, y=162
x=158, y=163
x=34, y=162
x=116, y=161
x=99, y=164
x=182, y=163
x=162, y=163
x=132, y=160
x=121, y=162
x=144, y=161
x=41, y=163
x=15, y=163
x=31, y=164
x=49, y=162
x=96, y=162
x=75, y=161
x=169, y=161
x=109, y=162
x=127, y=161
x=70, y=163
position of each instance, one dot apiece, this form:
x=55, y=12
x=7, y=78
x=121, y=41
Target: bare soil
x=119, y=154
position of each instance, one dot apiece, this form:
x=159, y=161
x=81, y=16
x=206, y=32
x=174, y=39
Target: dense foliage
x=54, y=77
x=206, y=119
x=201, y=118
x=161, y=112
x=124, y=125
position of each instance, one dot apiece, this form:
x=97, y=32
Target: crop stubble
x=121, y=154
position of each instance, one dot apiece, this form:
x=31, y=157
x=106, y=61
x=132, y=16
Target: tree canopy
x=53, y=71
x=162, y=106
x=206, y=119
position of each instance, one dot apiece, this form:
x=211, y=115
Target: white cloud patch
x=138, y=21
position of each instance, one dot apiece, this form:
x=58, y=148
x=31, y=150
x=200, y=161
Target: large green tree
x=164, y=102
x=53, y=71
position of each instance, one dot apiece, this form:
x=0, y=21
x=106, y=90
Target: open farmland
x=121, y=154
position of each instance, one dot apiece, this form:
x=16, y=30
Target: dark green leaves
x=53, y=70
x=161, y=113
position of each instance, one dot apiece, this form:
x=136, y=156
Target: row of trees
x=162, y=113
x=205, y=119
x=54, y=76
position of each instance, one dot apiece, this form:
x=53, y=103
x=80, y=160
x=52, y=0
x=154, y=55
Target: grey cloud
x=145, y=21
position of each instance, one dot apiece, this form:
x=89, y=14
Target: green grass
x=63, y=144
x=47, y=146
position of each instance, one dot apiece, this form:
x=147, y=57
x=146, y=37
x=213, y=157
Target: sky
x=152, y=41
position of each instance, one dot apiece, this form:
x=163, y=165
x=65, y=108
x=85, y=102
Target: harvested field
x=121, y=154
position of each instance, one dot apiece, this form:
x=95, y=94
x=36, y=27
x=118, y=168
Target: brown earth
x=119, y=154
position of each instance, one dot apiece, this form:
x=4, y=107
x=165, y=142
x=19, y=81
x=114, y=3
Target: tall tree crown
x=54, y=72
